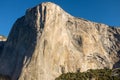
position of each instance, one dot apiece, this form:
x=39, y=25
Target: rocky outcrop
x=47, y=42
x=2, y=38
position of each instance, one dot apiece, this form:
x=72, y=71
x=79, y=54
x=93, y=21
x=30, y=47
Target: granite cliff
x=47, y=42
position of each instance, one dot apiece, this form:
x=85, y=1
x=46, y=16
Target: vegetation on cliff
x=98, y=74
x=4, y=77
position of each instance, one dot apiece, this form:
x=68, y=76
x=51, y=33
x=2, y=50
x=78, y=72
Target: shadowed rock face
x=47, y=42
x=2, y=42
x=1, y=46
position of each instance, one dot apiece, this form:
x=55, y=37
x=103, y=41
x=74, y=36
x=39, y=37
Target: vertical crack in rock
x=42, y=16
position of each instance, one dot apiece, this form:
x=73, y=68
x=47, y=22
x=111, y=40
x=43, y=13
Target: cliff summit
x=47, y=42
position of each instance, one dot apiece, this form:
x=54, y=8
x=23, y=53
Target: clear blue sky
x=103, y=11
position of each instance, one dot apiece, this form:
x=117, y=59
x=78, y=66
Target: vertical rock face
x=2, y=43
x=47, y=42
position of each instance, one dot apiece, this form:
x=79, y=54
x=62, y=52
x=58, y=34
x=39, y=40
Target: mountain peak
x=47, y=42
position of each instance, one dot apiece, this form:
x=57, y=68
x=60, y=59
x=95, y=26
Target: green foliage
x=98, y=74
x=3, y=77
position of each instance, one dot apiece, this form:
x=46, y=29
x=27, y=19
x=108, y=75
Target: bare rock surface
x=2, y=38
x=47, y=42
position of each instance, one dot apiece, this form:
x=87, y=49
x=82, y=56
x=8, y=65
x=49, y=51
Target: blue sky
x=102, y=11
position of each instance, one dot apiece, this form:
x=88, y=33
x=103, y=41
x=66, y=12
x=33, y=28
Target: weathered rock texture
x=47, y=42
